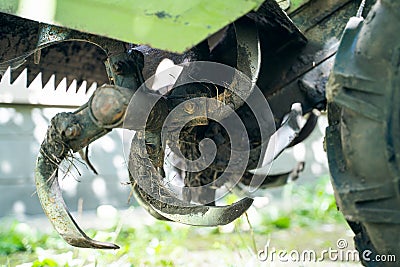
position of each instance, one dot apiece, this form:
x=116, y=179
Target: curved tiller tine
x=138, y=193
x=143, y=171
x=71, y=132
x=203, y=215
x=56, y=210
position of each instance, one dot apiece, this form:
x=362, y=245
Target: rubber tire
x=362, y=139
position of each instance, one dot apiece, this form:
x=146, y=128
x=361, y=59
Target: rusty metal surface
x=147, y=141
x=50, y=35
x=71, y=132
x=301, y=74
x=271, y=20
x=316, y=11
x=140, y=197
x=53, y=150
x=73, y=60
x=143, y=170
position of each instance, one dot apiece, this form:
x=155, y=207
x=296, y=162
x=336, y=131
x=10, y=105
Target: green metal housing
x=168, y=25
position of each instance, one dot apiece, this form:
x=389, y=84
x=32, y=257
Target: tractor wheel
x=363, y=137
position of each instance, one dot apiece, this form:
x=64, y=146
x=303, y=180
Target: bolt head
x=189, y=107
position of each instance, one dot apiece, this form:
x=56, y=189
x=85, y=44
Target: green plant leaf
x=282, y=222
x=45, y=263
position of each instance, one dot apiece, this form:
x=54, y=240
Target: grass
x=304, y=211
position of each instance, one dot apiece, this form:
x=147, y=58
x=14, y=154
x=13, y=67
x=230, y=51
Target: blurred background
x=301, y=215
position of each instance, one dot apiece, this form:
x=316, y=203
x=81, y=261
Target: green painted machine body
x=167, y=25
